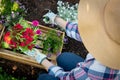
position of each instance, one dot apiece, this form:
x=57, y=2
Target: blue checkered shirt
x=90, y=69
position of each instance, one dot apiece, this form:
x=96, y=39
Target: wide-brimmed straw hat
x=99, y=27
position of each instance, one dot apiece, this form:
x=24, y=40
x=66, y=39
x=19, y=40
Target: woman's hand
x=49, y=18
x=36, y=54
x=52, y=18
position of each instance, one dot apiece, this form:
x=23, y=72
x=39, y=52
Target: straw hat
x=99, y=27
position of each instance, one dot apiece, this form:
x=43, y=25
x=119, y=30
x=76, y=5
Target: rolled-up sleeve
x=72, y=31
x=75, y=74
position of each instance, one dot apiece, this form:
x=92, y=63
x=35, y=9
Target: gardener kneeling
x=99, y=26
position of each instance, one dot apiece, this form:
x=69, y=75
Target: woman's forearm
x=47, y=64
x=59, y=21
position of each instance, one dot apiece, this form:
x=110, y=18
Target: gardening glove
x=36, y=54
x=49, y=18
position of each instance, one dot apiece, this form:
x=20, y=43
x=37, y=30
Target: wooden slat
x=1, y=33
x=10, y=55
x=47, y=28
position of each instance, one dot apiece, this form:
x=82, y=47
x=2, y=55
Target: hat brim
x=91, y=27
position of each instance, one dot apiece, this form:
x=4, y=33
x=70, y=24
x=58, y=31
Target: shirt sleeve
x=75, y=74
x=72, y=31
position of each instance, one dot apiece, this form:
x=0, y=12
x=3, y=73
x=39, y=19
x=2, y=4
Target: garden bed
x=36, y=9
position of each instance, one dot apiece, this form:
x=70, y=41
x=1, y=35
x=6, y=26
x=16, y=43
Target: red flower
x=20, y=36
x=35, y=23
x=7, y=33
x=30, y=46
x=28, y=35
x=24, y=34
x=7, y=37
x=28, y=41
x=28, y=38
x=29, y=31
x=13, y=44
x=18, y=27
x=22, y=44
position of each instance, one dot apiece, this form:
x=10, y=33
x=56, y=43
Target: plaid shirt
x=90, y=69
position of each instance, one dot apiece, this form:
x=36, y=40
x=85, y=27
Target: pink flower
x=38, y=32
x=35, y=23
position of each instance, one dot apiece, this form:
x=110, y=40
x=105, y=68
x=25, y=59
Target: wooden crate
x=22, y=58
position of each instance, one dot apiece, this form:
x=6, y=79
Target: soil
x=36, y=9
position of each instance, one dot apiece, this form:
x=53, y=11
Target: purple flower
x=37, y=46
x=13, y=14
x=65, y=40
x=22, y=7
x=35, y=23
x=49, y=55
x=38, y=32
x=58, y=53
x=58, y=33
x=49, y=49
x=18, y=2
x=2, y=17
x=17, y=13
x=0, y=22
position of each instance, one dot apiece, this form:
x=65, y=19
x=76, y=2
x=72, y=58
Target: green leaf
x=5, y=45
x=52, y=42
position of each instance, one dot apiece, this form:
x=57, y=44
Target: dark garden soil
x=36, y=9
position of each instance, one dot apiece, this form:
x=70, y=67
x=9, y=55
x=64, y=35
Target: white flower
x=66, y=11
x=59, y=3
x=76, y=5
